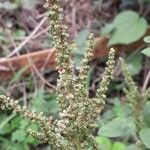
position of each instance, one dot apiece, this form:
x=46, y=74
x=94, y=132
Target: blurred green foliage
x=13, y=135
x=117, y=125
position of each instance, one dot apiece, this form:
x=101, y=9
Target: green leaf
x=146, y=114
x=8, y=5
x=82, y=38
x=128, y=28
x=15, y=122
x=87, y=84
x=5, y=127
x=120, y=109
x=44, y=104
x=146, y=51
x=147, y=39
x=145, y=136
x=19, y=146
x=77, y=59
x=29, y=4
x=80, y=50
x=29, y=139
x=118, y=146
x=24, y=124
x=118, y=127
x=131, y=147
x=105, y=143
x=52, y=104
x=9, y=145
x=108, y=28
x=134, y=64
x=39, y=103
x=2, y=125
x=18, y=135
x=19, y=33
x=107, y=116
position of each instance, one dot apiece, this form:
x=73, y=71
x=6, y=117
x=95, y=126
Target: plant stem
x=77, y=144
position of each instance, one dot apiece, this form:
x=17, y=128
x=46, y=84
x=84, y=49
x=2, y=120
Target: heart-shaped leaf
x=128, y=28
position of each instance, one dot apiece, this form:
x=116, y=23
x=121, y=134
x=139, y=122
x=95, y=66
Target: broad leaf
x=18, y=135
x=29, y=4
x=145, y=136
x=118, y=146
x=134, y=64
x=80, y=50
x=5, y=127
x=108, y=28
x=8, y=5
x=128, y=28
x=146, y=51
x=88, y=79
x=15, y=122
x=107, y=116
x=45, y=103
x=118, y=127
x=105, y=143
x=9, y=145
x=146, y=114
x=131, y=147
x=82, y=38
x=147, y=39
x=120, y=109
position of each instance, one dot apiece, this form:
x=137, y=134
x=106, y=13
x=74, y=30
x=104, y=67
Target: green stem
x=77, y=144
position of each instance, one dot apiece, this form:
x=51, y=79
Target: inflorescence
x=78, y=113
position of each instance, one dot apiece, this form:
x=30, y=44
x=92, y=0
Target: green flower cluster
x=133, y=96
x=136, y=100
x=78, y=113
